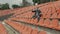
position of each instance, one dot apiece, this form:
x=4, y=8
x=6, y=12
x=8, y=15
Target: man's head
x=36, y=3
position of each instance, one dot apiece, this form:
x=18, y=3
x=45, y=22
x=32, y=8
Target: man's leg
x=40, y=15
x=34, y=16
x=38, y=18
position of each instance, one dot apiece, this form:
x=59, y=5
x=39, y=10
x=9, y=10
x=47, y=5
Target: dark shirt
x=37, y=12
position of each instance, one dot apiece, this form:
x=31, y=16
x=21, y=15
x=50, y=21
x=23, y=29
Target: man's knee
x=40, y=15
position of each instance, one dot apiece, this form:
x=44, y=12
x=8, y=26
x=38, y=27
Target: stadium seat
x=34, y=32
x=58, y=16
x=53, y=9
x=41, y=22
x=47, y=22
x=54, y=23
x=54, y=15
x=42, y=32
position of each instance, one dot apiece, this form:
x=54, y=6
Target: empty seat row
x=5, y=12
x=54, y=23
x=23, y=29
x=48, y=14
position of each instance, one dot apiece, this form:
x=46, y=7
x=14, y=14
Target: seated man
x=37, y=14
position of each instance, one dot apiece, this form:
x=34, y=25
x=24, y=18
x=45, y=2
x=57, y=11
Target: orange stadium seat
x=5, y=12
x=53, y=9
x=41, y=22
x=42, y=32
x=47, y=22
x=48, y=14
x=54, y=23
x=54, y=15
x=58, y=16
x=56, y=6
x=58, y=11
x=34, y=32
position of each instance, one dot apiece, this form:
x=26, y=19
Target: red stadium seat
x=42, y=32
x=54, y=23
x=47, y=22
